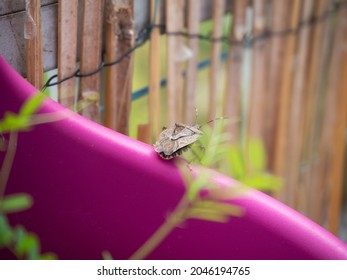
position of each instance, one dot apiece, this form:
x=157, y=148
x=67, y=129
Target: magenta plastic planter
x=95, y=189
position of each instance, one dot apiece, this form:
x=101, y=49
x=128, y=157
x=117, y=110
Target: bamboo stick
x=296, y=126
x=232, y=105
x=91, y=35
x=119, y=39
x=154, y=75
x=217, y=17
x=339, y=147
x=246, y=71
x=33, y=36
x=318, y=59
x=324, y=167
x=174, y=23
x=335, y=123
x=144, y=133
x=193, y=22
x=259, y=76
x=316, y=160
x=280, y=21
x=67, y=50
x=282, y=138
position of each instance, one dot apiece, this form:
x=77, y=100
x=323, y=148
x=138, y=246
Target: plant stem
x=8, y=161
x=175, y=218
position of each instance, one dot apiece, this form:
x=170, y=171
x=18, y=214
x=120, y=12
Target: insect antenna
x=220, y=118
x=196, y=114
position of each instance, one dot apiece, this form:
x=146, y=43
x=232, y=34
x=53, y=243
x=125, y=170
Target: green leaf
x=264, y=182
x=32, y=245
x=236, y=163
x=5, y=232
x=21, y=121
x=16, y=203
x=48, y=256
x=13, y=122
x=106, y=255
x=20, y=234
x=218, y=207
x=256, y=155
x=196, y=185
x=197, y=153
x=207, y=215
x=31, y=106
x=27, y=244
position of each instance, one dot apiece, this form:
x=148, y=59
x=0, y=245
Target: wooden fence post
x=259, y=77
x=277, y=46
x=321, y=40
x=154, y=74
x=298, y=104
x=91, y=35
x=232, y=105
x=282, y=137
x=193, y=22
x=67, y=50
x=33, y=38
x=218, y=13
x=119, y=39
x=174, y=24
x=334, y=124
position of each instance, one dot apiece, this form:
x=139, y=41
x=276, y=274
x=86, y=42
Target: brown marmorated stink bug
x=177, y=139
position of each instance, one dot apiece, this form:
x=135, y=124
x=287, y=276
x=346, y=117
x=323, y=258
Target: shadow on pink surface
x=95, y=189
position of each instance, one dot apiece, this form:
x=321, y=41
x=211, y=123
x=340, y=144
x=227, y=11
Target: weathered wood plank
x=193, y=24
x=232, y=98
x=298, y=106
x=91, y=45
x=67, y=50
x=277, y=45
x=33, y=37
x=154, y=113
x=12, y=43
x=282, y=137
x=119, y=38
x=259, y=84
x=174, y=10
x=216, y=50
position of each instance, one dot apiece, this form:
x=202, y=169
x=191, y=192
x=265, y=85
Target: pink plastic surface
x=95, y=189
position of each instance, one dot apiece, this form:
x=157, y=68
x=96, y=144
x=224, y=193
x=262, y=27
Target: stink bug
x=177, y=139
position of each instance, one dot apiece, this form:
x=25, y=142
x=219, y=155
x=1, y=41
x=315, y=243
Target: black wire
x=247, y=40
x=142, y=38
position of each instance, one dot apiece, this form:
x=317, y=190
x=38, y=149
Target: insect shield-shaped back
x=174, y=140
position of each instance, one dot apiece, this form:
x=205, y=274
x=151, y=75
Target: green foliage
x=5, y=232
x=246, y=164
x=15, y=203
x=213, y=211
x=14, y=122
x=196, y=185
x=23, y=244
x=22, y=120
x=106, y=255
x=31, y=106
